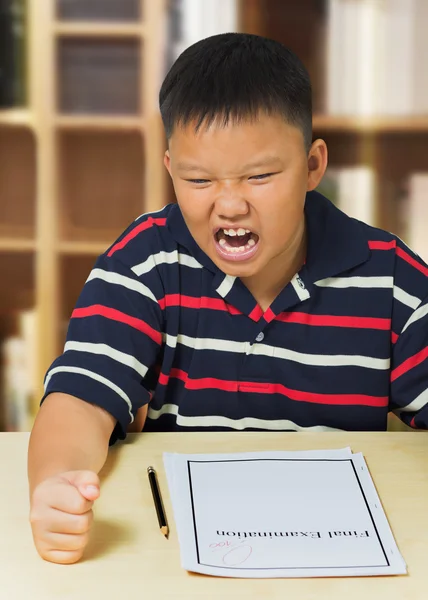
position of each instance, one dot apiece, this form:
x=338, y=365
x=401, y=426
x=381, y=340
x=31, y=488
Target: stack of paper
x=280, y=514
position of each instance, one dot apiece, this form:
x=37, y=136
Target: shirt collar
x=336, y=243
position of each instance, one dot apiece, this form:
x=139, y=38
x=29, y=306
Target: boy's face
x=241, y=190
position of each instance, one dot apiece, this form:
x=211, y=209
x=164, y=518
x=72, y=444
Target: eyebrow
x=268, y=160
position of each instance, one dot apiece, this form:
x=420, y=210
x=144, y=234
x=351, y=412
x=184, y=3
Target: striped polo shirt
x=345, y=341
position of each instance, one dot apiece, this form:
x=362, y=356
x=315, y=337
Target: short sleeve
x=113, y=340
x=409, y=372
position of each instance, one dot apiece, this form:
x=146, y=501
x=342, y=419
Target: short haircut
x=235, y=76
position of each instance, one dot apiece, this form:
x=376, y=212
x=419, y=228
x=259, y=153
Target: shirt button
x=260, y=337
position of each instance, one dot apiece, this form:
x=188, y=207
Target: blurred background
x=81, y=140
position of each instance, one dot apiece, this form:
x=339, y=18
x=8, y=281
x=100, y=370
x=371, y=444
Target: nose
x=231, y=204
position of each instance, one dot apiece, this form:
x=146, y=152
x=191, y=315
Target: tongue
x=237, y=240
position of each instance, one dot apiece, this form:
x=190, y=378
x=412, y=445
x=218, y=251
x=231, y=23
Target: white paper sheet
x=280, y=514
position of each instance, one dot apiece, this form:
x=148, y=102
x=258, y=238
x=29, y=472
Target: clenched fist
x=61, y=515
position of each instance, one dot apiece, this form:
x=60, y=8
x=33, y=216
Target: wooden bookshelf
x=54, y=224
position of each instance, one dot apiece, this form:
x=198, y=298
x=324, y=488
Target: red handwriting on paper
x=233, y=553
x=221, y=544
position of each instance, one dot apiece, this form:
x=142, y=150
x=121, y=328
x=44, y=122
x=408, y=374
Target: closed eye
x=263, y=176
x=198, y=181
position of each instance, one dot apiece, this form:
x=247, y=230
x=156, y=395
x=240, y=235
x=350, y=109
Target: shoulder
x=409, y=270
x=144, y=237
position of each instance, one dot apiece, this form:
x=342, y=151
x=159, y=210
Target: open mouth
x=236, y=244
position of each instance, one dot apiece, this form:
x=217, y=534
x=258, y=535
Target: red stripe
x=117, y=315
x=394, y=337
x=334, y=321
x=163, y=379
x=378, y=245
x=269, y=315
x=410, y=363
x=138, y=229
x=402, y=254
x=197, y=303
x=412, y=423
x=256, y=314
x=273, y=388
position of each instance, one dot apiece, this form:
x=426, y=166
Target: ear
x=317, y=163
x=167, y=161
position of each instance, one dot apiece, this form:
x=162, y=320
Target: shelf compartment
x=74, y=271
x=17, y=269
x=102, y=186
x=84, y=248
x=99, y=76
x=17, y=297
x=17, y=184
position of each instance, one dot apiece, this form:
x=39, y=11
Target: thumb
x=87, y=482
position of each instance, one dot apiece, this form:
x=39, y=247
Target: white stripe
x=358, y=282
x=105, y=350
x=323, y=360
x=416, y=404
x=371, y=282
x=169, y=258
x=206, y=343
x=149, y=214
x=406, y=298
x=169, y=340
x=420, y=313
x=118, y=279
x=238, y=424
x=95, y=376
x=302, y=292
x=226, y=285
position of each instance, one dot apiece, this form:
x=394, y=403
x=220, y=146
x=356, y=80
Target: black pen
x=158, y=502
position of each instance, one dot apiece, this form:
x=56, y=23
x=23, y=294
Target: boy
x=252, y=304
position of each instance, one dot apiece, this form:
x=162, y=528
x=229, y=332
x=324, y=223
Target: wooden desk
x=129, y=558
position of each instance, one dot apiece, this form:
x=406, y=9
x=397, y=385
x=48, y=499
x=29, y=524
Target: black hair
x=236, y=76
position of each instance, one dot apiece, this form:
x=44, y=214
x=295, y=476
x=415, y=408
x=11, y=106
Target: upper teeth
x=239, y=231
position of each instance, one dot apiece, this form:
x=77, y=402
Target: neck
x=266, y=286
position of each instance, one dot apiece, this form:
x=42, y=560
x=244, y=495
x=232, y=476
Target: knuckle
x=77, y=543
x=84, y=523
x=84, y=540
x=37, y=520
x=78, y=505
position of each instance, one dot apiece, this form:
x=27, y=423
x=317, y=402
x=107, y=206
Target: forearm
x=68, y=435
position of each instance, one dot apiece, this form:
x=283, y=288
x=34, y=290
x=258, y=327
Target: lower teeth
x=235, y=249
